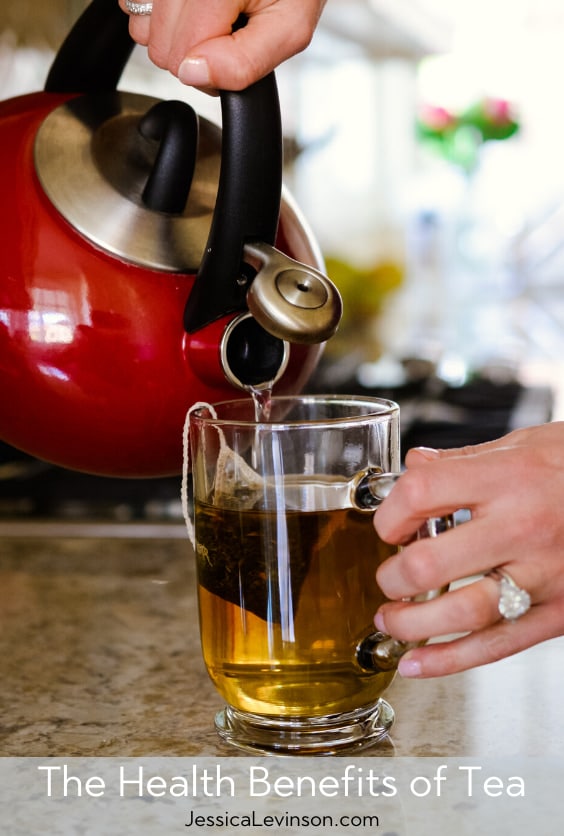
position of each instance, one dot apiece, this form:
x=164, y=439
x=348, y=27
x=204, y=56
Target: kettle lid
x=136, y=176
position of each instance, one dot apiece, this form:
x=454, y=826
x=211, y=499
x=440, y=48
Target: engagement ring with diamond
x=513, y=601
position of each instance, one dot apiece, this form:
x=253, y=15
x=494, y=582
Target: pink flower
x=498, y=111
x=435, y=117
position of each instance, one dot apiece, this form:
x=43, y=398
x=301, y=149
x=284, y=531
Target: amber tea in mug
x=292, y=654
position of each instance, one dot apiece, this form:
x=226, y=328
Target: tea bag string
x=186, y=464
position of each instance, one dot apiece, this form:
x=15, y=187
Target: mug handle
x=380, y=652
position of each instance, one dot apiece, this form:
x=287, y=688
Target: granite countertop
x=100, y=656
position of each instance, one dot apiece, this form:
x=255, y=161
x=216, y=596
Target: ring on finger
x=138, y=8
x=513, y=601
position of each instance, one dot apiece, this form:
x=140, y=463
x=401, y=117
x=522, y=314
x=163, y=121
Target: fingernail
x=409, y=667
x=195, y=71
x=379, y=622
x=428, y=452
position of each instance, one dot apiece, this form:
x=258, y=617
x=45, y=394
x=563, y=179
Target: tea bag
x=235, y=563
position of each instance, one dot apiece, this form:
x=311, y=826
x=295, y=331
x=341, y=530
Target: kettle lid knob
x=289, y=299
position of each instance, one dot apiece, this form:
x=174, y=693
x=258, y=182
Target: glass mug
x=286, y=556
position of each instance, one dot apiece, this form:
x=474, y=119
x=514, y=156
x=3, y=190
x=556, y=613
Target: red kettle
x=150, y=260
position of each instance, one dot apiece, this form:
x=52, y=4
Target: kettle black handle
x=92, y=59
x=248, y=200
x=93, y=56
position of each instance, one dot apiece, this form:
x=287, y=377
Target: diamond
x=513, y=601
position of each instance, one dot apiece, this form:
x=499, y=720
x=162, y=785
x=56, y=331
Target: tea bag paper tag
x=236, y=483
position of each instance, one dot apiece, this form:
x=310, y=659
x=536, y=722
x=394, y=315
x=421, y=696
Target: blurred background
x=423, y=145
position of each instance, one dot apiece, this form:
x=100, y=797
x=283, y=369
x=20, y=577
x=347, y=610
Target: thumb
x=222, y=64
x=234, y=61
x=421, y=455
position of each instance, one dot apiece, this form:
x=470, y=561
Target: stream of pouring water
x=262, y=399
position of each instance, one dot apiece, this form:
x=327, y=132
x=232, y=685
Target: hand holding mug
x=512, y=549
